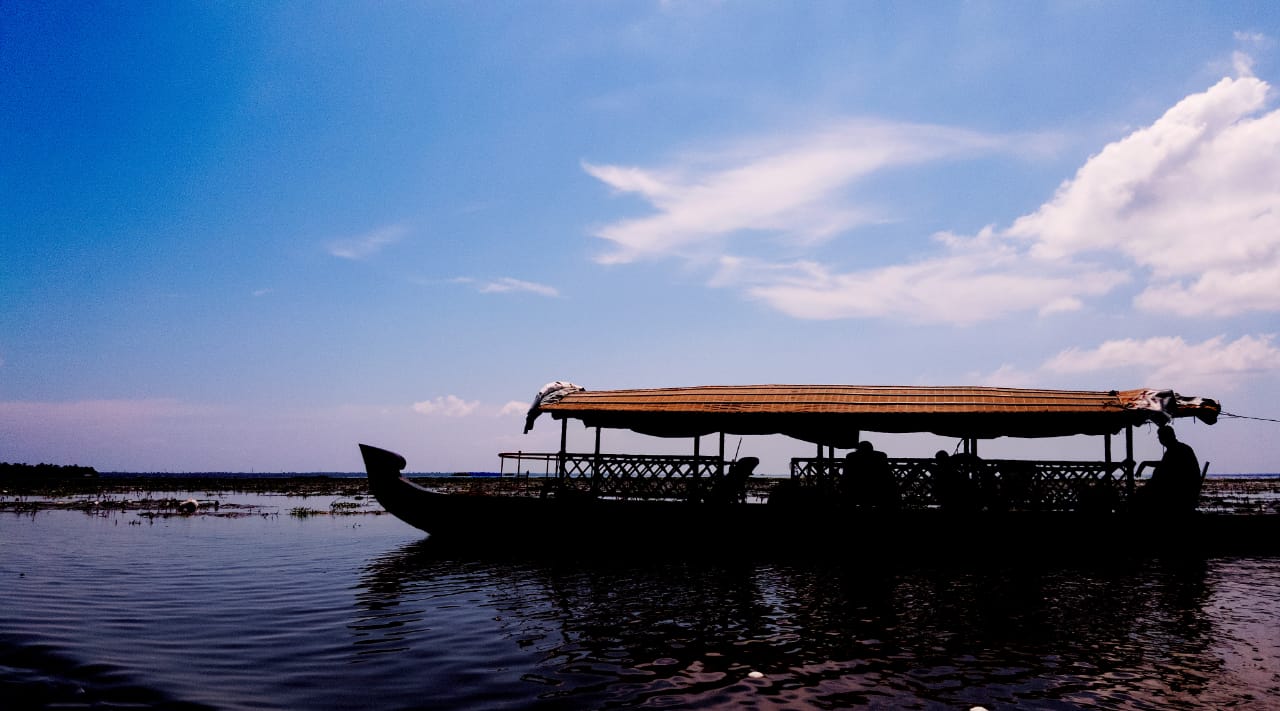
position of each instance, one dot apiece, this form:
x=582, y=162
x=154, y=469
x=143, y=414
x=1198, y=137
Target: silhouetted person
x=732, y=487
x=868, y=479
x=1175, y=483
x=951, y=485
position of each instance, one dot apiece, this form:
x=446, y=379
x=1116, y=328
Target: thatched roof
x=835, y=414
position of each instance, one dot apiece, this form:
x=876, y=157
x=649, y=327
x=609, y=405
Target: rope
x=1246, y=417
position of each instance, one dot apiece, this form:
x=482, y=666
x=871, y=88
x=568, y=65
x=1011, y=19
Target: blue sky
x=246, y=236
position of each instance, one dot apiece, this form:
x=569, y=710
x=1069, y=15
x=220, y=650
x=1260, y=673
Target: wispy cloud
x=447, y=406
x=1188, y=207
x=505, y=285
x=508, y=284
x=1251, y=38
x=368, y=244
x=977, y=278
x=792, y=188
x=1214, y=365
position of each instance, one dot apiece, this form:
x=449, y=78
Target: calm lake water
x=273, y=611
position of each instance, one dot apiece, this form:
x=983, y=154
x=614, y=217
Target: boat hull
x=582, y=524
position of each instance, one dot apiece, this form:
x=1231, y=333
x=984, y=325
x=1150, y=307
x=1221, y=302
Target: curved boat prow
x=381, y=463
x=399, y=496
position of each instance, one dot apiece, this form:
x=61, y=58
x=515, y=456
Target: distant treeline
x=50, y=471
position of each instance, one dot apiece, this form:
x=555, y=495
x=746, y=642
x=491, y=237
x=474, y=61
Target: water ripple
x=274, y=612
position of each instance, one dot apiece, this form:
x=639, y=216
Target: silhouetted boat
x=705, y=501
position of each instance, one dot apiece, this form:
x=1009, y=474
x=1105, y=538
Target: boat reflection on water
x=697, y=631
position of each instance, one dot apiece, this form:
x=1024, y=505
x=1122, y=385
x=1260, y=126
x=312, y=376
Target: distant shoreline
x=429, y=475
x=354, y=483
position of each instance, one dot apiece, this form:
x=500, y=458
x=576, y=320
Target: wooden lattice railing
x=988, y=483
x=626, y=476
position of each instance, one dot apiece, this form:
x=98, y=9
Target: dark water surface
x=341, y=612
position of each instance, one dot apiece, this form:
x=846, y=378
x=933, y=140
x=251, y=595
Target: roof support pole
x=697, y=447
x=564, y=442
x=1106, y=448
x=720, y=464
x=1128, y=458
x=595, y=464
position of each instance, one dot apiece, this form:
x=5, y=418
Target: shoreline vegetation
x=45, y=471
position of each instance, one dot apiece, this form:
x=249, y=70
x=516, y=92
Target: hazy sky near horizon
x=245, y=236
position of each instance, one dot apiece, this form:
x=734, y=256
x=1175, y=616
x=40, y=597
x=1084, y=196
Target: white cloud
x=368, y=244
x=1189, y=207
x=454, y=406
x=791, y=188
x=446, y=406
x=508, y=284
x=1194, y=199
x=977, y=279
x=1172, y=362
x=505, y=285
x=1251, y=38
x=514, y=407
x=1008, y=376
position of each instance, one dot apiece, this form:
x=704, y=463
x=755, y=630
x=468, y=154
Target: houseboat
x=842, y=496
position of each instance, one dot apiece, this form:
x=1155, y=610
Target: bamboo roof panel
x=823, y=412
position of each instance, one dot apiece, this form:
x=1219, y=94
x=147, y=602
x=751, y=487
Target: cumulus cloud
x=454, y=406
x=368, y=244
x=790, y=188
x=514, y=407
x=446, y=406
x=1193, y=199
x=1188, y=207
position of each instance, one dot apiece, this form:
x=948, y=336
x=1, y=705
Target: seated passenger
x=739, y=473
x=951, y=485
x=868, y=479
x=732, y=487
x=1175, y=484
